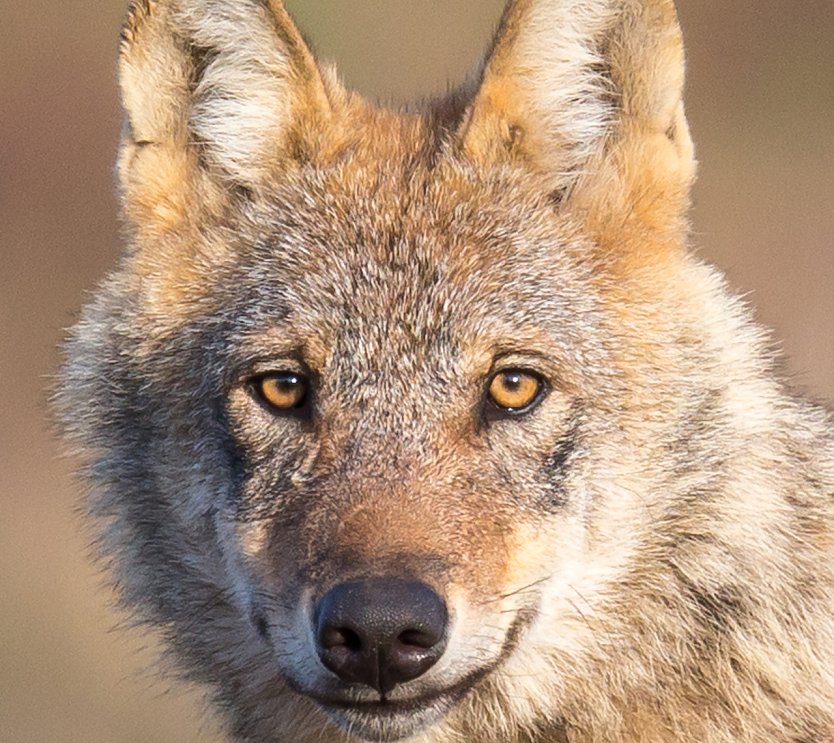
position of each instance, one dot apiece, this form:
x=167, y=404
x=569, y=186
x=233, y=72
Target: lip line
x=452, y=694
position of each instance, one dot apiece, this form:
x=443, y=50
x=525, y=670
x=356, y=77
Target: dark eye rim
x=301, y=409
x=493, y=410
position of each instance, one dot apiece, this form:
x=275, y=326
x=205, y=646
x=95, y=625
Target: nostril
x=334, y=637
x=380, y=632
x=417, y=639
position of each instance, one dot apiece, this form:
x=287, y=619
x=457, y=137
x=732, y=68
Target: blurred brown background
x=761, y=103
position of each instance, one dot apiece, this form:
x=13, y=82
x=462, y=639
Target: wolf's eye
x=282, y=390
x=515, y=390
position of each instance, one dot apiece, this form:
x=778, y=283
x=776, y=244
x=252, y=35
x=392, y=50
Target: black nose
x=380, y=632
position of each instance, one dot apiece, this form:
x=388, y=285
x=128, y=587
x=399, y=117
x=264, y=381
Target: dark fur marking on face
x=718, y=608
x=694, y=440
x=556, y=465
x=261, y=624
x=558, y=195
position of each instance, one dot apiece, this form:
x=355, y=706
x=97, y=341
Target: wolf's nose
x=380, y=632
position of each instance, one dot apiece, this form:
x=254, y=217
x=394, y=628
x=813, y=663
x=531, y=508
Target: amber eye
x=282, y=390
x=515, y=390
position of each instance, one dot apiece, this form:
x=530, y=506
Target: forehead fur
x=389, y=219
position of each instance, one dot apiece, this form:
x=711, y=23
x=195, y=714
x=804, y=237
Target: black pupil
x=288, y=383
x=512, y=381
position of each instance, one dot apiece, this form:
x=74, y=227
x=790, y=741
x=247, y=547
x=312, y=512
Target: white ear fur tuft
x=229, y=78
x=587, y=93
x=543, y=89
x=246, y=96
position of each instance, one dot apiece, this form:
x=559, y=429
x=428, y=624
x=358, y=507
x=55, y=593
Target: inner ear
x=542, y=101
x=580, y=95
x=232, y=81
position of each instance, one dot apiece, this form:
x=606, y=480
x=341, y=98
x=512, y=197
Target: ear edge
x=138, y=12
x=230, y=78
x=541, y=91
x=622, y=78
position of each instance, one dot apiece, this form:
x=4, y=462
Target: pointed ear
x=588, y=93
x=220, y=95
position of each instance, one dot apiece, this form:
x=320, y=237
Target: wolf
x=429, y=425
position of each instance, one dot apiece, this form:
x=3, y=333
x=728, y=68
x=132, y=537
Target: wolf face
x=402, y=460
x=427, y=426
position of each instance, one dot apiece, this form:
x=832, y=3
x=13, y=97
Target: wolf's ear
x=589, y=93
x=221, y=92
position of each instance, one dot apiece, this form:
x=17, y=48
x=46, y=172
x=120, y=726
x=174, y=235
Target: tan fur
x=645, y=557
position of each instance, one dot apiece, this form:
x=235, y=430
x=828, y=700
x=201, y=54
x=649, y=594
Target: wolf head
x=395, y=421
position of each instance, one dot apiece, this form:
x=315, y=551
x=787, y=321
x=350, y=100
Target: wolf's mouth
x=393, y=707
x=388, y=719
